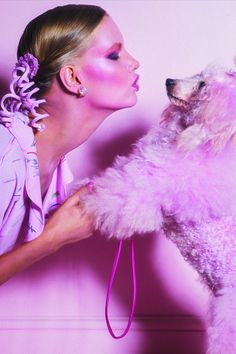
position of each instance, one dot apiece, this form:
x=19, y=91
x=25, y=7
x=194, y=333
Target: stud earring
x=82, y=91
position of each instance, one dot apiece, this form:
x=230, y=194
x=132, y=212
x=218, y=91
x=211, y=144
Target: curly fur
x=181, y=177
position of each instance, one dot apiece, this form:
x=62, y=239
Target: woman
x=72, y=72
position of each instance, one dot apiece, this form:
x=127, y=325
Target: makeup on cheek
x=104, y=69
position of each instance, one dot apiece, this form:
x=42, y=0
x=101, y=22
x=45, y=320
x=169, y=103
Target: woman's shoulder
x=6, y=138
x=9, y=148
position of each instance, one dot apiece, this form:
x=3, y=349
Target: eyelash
x=114, y=56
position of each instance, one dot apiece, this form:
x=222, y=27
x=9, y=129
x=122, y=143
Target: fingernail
x=90, y=186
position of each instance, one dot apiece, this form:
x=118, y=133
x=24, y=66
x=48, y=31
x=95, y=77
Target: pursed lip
x=135, y=83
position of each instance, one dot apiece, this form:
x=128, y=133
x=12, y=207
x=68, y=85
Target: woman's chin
x=126, y=103
x=132, y=101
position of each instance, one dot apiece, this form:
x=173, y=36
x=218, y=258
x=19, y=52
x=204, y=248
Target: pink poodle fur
x=181, y=178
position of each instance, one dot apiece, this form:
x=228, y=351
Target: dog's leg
x=128, y=196
x=126, y=200
x=222, y=323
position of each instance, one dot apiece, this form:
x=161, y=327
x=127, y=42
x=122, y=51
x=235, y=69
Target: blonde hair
x=56, y=36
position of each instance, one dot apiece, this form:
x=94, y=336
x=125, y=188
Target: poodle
x=181, y=178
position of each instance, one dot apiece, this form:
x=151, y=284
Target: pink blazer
x=22, y=211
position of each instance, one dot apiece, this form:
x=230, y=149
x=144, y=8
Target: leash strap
x=114, y=269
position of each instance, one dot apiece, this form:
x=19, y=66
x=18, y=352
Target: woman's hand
x=69, y=223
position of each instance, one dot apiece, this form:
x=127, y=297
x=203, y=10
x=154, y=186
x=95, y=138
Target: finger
x=78, y=196
x=85, y=189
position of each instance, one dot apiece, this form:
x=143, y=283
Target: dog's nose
x=170, y=83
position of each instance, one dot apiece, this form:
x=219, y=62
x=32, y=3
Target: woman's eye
x=114, y=56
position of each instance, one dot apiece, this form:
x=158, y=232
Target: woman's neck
x=69, y=123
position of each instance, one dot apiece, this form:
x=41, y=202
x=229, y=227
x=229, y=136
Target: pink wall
x=57, y=306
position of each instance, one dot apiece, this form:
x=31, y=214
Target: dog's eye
x=201, y=84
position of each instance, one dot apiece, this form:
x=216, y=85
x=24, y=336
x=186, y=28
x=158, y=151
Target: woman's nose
x=133, y=64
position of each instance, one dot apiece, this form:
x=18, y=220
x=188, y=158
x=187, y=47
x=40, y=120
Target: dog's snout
x=201, y=84
x=170, y=83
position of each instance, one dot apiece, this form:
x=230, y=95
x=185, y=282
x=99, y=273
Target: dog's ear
x=200, y=135
x=219, y=116
x=219, y=141
x=220, y=107
x=191, y=138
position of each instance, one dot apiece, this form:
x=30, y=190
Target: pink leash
x=110, y=286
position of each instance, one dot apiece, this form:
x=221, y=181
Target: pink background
x=57, y=306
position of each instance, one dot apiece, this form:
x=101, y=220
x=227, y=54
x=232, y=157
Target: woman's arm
x=68, y=224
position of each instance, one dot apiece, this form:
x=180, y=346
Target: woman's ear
x=69, y=78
